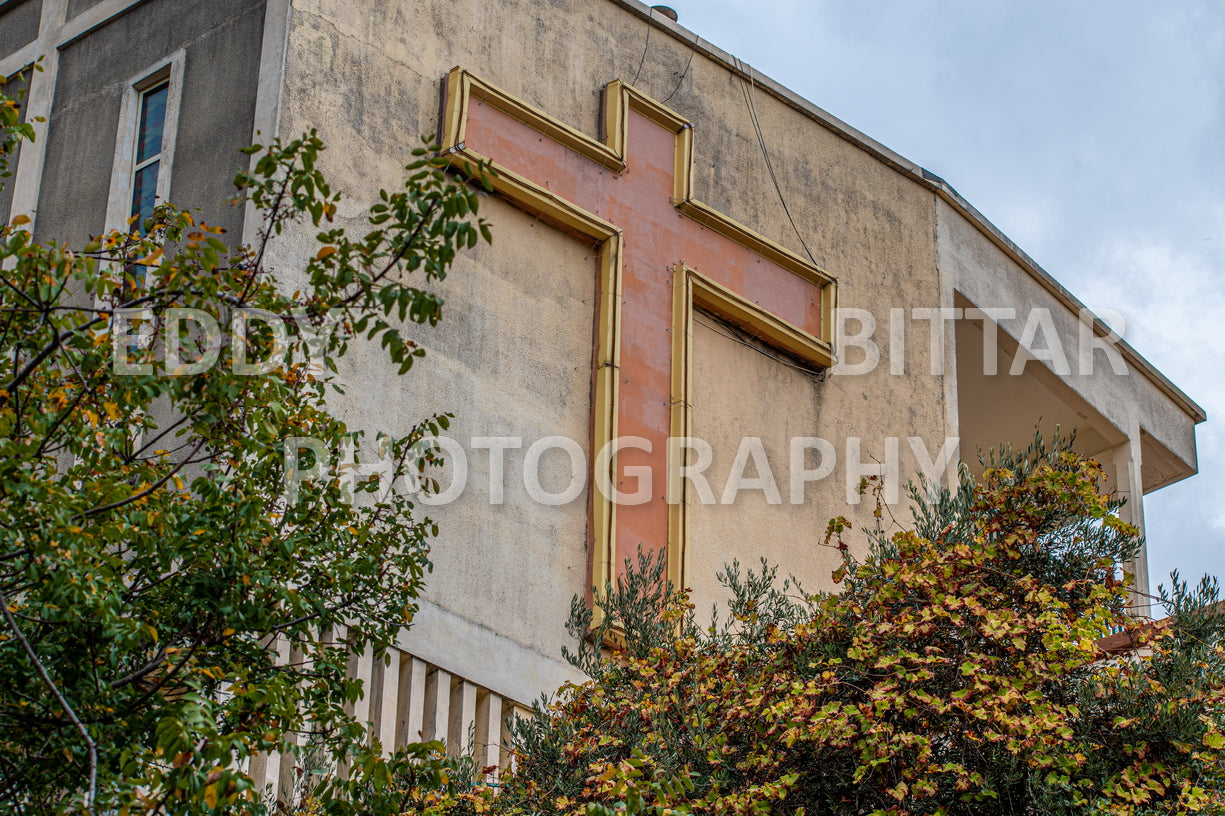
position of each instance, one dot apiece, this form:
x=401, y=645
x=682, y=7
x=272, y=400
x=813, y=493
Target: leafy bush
x=956, y=673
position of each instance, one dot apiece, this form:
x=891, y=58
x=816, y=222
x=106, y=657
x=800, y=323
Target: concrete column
x=410, y=722
x=1130, y=485
x=283, y=781
x=265, y=769
x=361, y=667
x=268, y=94
x=338, y=635
x=488, y=730
x=437, y=716
x=386, y=694
x=462, y=721
x=510, y=713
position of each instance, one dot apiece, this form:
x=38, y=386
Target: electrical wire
x=748, y=91
x=718, y=327
x=685, y=72
x=645, y=45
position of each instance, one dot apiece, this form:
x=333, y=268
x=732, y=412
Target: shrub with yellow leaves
x=957, y=672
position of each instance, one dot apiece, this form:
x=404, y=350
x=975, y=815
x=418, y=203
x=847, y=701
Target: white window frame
x=156, y=158
x=123, y=168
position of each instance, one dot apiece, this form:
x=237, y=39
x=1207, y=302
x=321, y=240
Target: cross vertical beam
x=661, y=252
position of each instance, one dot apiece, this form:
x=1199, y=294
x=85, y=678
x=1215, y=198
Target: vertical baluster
x=410, y=722
x=437, y=703
x=361, y=667
x=265, y=769
x=338, y=635
x=385, y=693
x=488, y=731
x=278, y=767
x=463, y=716
x=374, y=693
x=510, y=713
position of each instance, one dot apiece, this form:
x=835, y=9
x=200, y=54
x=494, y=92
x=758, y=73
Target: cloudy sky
x=1092, y=132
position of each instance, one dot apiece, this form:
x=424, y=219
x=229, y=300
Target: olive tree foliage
x=168, y=612
x=958, y=671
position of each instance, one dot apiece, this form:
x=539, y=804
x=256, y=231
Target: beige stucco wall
x=739, y=391
x=513, y=354
x=509, y=359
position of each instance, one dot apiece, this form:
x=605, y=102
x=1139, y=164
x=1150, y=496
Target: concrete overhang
x=1006, y=409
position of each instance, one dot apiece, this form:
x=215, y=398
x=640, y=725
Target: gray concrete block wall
x=76, y=7
x=18, y=24
x=222, y=41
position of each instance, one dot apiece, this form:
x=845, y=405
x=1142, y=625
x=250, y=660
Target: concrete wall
x=222, y=43
x=506, y=361
x=18, y=24
x=76, y=7
x=742, y=389
x=510, y=358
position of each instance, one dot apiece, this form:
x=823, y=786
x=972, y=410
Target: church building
x=710, y=309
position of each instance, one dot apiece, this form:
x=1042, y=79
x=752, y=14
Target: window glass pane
x=144, y=193
x=152, y=118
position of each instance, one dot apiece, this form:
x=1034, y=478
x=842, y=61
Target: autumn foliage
x=957, y=673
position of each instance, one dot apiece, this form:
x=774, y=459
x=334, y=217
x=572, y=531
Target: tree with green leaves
x=957, y=672
x=170, y=610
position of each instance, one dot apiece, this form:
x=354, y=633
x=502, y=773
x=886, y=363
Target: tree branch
x=151, y=488
x=91, y=792
x=157, y=660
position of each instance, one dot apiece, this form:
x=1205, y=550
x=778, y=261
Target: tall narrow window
x=144, y=154
x=144, y=144
x=149, y=145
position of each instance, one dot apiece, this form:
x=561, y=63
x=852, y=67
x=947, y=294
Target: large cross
x=661, y=253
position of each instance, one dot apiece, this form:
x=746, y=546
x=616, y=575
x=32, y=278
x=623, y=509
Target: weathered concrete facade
x=514, y=354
